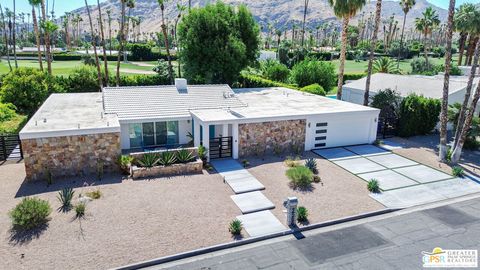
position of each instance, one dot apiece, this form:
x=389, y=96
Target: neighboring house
x=74, y=133
x=428, y=86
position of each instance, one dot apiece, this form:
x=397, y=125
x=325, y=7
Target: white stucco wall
x=343, y=129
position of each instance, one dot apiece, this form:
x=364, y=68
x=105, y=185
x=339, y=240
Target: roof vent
x=181, y=84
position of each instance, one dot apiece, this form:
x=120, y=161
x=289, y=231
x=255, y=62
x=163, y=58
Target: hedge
x=254, y=81
x=418, y=115
x=77, y=57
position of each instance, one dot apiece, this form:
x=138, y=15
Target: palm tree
x=181, y=9
x=464, y=17
x=121, y=37
x=109, y=18
x=34, y=4
x=46, y=37
x=385, y=65
x=305, y=10
x=5, y=36
x=406, y=6
x=344, y=9
x=425, y=25
x=446, y=82
x=165, y=37
x=102, y=36
x=373, y=43
x=97, y=62
x=14, y=35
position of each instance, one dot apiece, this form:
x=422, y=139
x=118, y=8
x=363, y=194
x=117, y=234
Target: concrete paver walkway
x=261, y=223
x=252, y=202
x=239, y=179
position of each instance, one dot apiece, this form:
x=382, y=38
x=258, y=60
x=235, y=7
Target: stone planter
x=175, y=169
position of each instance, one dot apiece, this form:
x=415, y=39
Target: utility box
x=291, y=204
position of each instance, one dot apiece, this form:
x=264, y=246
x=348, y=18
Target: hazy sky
x=61, y=6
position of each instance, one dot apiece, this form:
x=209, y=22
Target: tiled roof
x=150, y=102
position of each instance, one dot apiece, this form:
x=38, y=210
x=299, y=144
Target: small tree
x=310, y=71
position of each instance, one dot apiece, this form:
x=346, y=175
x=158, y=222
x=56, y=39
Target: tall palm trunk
x=457, y=152
x=121, y=38
x=97, y=62
x=468, y=93
x=470, y=44
x=110, y=34
x=343, y=53
x=14, y=35
x=179, y=70
x=37, y=37
x=305, y=9
x=165, y=36
x=446, y=82
x=470, y=57
x=425, y=48
x=5, y=37
x=461, y=49
x=401, y=40
x=47, y=40
x=378, y=11
x=105, y=62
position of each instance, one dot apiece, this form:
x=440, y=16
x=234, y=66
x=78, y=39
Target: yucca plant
x=235, y=227
x=80, y=209
x=302, y=214
x=167, y=158
x=373, y=186
x=125, y=162
x=65, y=197
x=149, y=160
x=202, y=153
x=184, y=155
x=311, y=163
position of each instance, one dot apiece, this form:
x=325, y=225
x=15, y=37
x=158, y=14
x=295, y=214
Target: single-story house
x=73, y=133
x=428, y=86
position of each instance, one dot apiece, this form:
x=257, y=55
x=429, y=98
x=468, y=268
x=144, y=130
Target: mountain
x=280, y=13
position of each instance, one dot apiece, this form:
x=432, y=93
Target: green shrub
x=65, y=197
x=302, y=214
x=300, y=176
x=418, y=115
x=314, y=89
x=317, y=179
x=419, y=66
x=27, y=89
x=184, y=155
x=14, y=125
x=149, y=160
x=30, y=213
x=373, y=186
x=80, y=209
x=457, y=171
x=274, y=70
x=310, y=71
x=167, y=158
x=7, y=111
x=253, y=81
x=352, y=76
x=82, y=79
x=245, y=163
x=235, y=227
x=311, y=163
x=202, y=153
x=125, y=161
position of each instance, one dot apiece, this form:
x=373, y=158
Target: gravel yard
x=339, y=194
x=132, y=221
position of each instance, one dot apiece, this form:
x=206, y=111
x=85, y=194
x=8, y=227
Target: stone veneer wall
x=260, y=138
x=71, y=155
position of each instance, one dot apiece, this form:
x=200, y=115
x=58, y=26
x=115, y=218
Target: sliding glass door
x=153, y=134
x=148, y=134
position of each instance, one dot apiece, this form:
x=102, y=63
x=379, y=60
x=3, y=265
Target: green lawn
x=358, y=67
x=66, y=67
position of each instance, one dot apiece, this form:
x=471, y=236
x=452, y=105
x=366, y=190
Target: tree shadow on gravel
x=20, y=236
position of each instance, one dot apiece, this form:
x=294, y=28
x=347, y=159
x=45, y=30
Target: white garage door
x=340, y=130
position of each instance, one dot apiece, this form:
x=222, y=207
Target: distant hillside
x=280, y=13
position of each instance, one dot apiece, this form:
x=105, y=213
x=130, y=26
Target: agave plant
x=311, y=163
x=167, y=158
x=184, y=155
x=65, y=197
x=124, y=162
x=149, y=160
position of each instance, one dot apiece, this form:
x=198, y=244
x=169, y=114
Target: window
x=321, y=138
x=322, y=124
x=320, y=131
x=153, y=133
x=320, y=144
x=135, y=134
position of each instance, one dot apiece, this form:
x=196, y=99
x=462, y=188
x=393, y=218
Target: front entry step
x=239, y=179
x=252, y=202
x=261, y=223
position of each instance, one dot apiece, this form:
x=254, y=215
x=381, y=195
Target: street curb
x=201, y=251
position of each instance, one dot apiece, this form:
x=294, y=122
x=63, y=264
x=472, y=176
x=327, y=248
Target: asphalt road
x=393, y=241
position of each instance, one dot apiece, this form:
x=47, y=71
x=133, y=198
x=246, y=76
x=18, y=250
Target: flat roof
x=70, y=114
x=166, y=101
x=428, y=86
x=278, y=102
